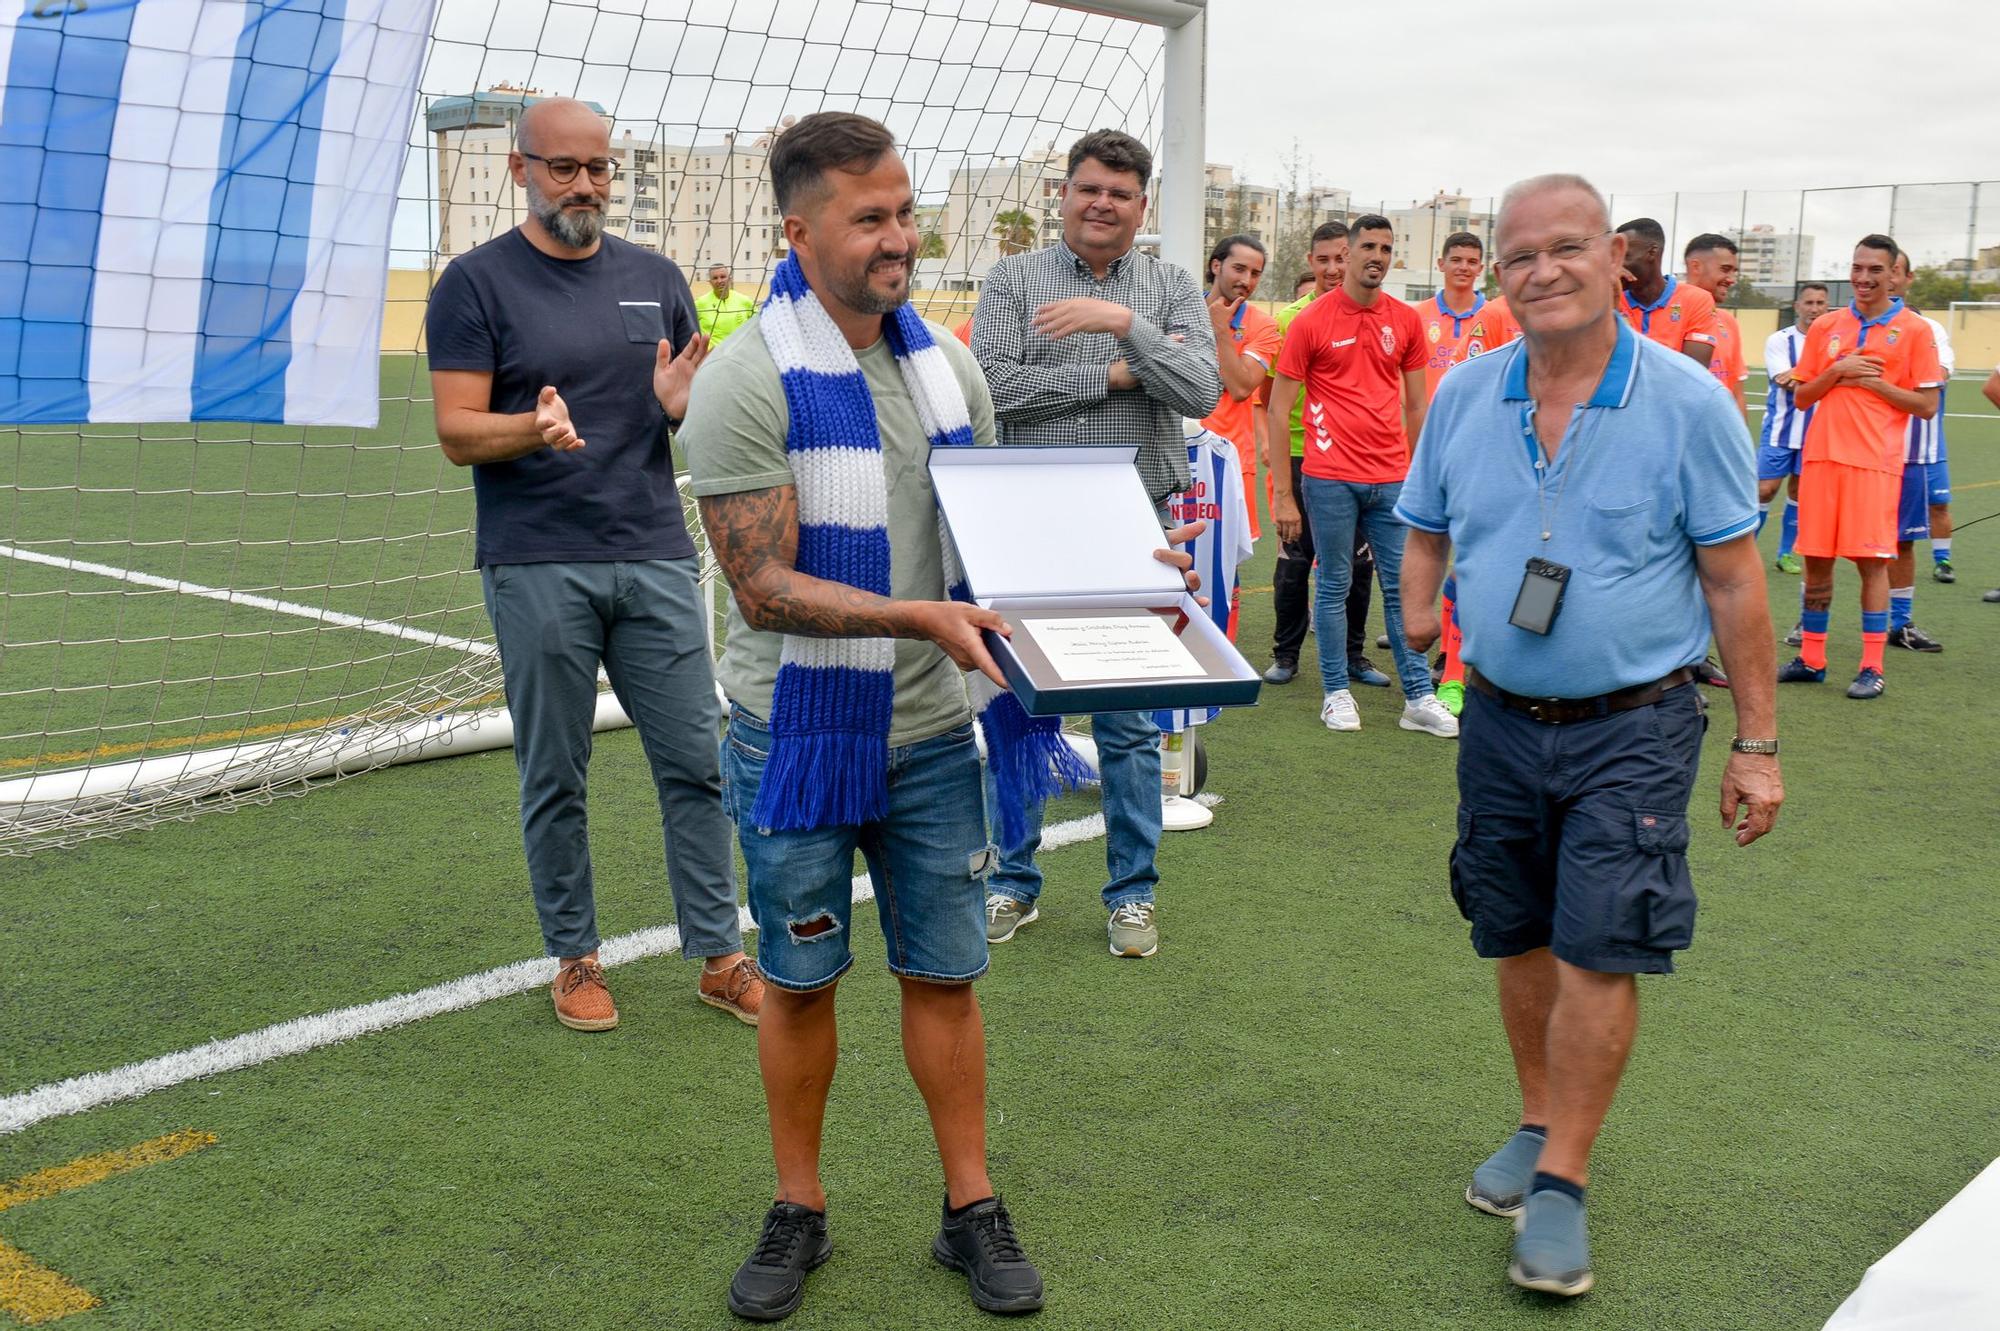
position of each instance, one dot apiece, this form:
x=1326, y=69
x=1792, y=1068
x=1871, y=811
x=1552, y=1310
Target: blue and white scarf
x=830, y=714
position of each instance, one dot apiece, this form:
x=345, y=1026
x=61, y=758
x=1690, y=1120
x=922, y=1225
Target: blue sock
x=1788, y=531
x=1763, y=516
x=1901, y=600
x=1816, y=621
x=1874, y=621
x=1552, y=1183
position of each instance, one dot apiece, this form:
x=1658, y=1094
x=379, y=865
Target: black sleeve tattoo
x=755, y=537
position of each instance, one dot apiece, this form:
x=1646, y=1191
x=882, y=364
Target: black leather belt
x=1566, y=711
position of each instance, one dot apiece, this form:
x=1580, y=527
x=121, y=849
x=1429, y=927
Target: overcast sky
x=1393, y=101
x=1404, y=99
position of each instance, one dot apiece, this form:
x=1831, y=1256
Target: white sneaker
x=1339, y=711
x=1429, y=715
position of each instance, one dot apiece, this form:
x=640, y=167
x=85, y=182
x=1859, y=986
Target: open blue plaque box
x=1060, y=542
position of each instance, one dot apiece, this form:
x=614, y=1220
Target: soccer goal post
x=200, y=614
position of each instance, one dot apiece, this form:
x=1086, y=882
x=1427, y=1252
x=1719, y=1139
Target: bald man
x=542, y=343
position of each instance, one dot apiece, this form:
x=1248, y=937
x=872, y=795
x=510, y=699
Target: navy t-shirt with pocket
x=592, y=328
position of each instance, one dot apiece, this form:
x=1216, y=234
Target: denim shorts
x=1574, y=837
x=928, y=860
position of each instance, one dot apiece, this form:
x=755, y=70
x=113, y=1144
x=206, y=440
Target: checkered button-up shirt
x=1057, y=392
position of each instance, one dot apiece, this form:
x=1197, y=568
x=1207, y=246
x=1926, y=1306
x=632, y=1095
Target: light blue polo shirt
x=1656, y=463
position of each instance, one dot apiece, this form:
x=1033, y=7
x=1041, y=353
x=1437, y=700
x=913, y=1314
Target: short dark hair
x=1820, y=287
x=1459, y=240
x=821, y=142
x=1708, y=240
x=1302, y=279
x=1326, y=231
x=1370, y=222
x=1875, y=240
x=1645, y=228
x=1116, y=149
x=1227, y=244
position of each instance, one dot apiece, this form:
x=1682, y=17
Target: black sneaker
x=1281, y=672
x=981, y=1242
x=1942, y=571
x=1708, y=672
x=1913, y=639
x=771, y=1283
x=1797, y=637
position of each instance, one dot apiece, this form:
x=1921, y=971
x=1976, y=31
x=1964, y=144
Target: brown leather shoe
x=738, y=991
x=583, y=1000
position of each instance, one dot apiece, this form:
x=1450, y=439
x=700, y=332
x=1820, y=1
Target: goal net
x=198, y=615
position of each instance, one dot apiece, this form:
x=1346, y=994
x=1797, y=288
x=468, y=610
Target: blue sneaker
x=1364, y=671
x=1868, y=684
x=1551, y=1245
x=1500, y=1185
x=1796, y=671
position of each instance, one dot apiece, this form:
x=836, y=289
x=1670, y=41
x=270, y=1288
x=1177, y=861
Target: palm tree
x=931, y=246
x=1016, y=230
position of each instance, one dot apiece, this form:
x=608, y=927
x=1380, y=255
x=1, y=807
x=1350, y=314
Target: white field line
x=245, y=598
x=24, y=1109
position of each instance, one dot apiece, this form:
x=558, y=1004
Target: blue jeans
x=928, y=860
x=643, y=620
x=1335, y=509
x=1128, y=759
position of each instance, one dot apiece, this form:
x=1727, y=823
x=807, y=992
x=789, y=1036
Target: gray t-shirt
x=734, y=439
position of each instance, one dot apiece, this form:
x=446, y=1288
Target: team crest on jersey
x=1833, y=346
x=1388, y=341
x=1894, y=335
x=1479, y=330
x=1436, y=333
x=1674, y=315
x=1474, y=348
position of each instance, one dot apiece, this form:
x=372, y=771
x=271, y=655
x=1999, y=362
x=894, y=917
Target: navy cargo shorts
x=1574, y=837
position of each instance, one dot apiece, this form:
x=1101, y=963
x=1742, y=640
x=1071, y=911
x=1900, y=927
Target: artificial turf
x=1269, y=1123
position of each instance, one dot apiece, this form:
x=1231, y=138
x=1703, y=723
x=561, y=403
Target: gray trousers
x=644, y=621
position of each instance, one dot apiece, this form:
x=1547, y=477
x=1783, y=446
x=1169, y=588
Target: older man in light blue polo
x=1598, y=496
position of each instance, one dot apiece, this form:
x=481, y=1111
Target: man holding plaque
x=1090, y=342
x=1597, y=491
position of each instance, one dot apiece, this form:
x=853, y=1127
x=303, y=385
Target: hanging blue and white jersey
x=199, y=198
x=1784, y=423
x=1927, y=436
x=1214, y=495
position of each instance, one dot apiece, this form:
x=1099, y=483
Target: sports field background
x=1269, y=1123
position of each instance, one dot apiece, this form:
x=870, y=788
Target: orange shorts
x=1847, y=512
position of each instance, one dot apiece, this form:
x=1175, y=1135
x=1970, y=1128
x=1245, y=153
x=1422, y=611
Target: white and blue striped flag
x=195, y=201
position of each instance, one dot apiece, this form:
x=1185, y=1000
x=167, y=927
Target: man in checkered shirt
x=1091, y=342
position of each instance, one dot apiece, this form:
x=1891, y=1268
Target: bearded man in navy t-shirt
x=559, y=358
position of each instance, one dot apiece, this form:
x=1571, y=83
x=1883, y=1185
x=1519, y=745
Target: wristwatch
x=1741, y=745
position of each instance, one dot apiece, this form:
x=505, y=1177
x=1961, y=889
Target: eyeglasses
x=1092, y=193
x=562, y=170
x=1562, y=251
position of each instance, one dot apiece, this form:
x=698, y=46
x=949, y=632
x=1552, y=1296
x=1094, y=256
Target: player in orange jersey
x=1867, y=369
x=1460, y=323
x=1712, y=265
x=1246, y=347
x=1676, y=314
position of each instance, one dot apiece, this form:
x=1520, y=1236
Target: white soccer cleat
x=1430, y=716
x=1339, y=711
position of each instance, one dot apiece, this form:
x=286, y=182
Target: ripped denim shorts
x=927, y=866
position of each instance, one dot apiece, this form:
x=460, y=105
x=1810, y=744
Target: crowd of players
x=1865, y=475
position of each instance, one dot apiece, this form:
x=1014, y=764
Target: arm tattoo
x=755, y=537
